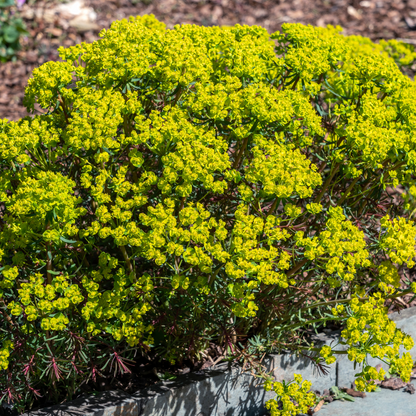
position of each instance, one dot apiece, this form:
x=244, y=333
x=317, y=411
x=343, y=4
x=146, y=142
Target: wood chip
x=354, y=393
x=354, y=13
x=54, y=31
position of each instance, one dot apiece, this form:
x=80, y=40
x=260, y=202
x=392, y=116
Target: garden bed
x=131, y=238
x=375, y=19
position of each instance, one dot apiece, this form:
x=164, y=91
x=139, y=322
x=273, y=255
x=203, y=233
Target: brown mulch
x=377, y=19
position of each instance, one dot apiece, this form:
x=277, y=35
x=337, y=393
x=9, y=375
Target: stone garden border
x=221, y=392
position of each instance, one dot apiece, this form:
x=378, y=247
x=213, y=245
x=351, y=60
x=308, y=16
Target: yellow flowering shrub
x=205, y=184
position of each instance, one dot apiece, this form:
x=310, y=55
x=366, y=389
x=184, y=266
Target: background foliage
x=11, y=29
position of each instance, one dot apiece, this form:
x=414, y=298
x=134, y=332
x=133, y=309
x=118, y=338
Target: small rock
x=77, y=8
x=329, y=399
x=410, y=388
x=326, y=396
x=393, y=383
x=409, y=22
x=81, y=24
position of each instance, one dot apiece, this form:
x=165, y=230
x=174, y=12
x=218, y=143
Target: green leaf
x=10, y=34
x=6, y=3
x=340, y=395
x=65, y=240
x=108, y=151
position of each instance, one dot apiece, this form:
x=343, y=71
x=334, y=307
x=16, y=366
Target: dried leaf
x=318, y=406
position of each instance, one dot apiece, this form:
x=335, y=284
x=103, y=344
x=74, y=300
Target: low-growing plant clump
x=206, y=184
x=12, y=28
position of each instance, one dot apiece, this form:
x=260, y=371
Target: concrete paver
x=382, y=403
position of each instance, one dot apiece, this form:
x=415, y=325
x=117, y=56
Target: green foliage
x=340, y=395
x=202, y=185
x=11, y=29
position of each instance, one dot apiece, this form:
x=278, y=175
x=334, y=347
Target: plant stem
x=349, y=189
x=48, y=263
x=9, y=320
x=273, y=207
x=128, y=262
x=326, y=184
x=240, y=153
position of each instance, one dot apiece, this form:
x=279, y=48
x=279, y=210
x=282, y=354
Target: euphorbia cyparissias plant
x=205, y=184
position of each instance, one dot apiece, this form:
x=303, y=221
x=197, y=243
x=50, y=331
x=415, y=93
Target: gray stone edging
x=221, y=392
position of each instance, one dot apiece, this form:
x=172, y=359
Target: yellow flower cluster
x=311, y=51
x=340, y=248
x=101, y=308
x=45, y=199
x=24, y=140
x=46, y=83
x=294, y=397
x=398, y=240
x=94, y=124
x=9, y=276
x=370, y=331
x=5, y=354
x=282, y=170
x=389, y=276
x=265, y=264
x=372, y=134
x=326, y=352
